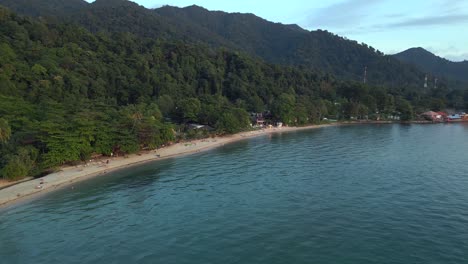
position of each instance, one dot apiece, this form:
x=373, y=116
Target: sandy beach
x=66, y=176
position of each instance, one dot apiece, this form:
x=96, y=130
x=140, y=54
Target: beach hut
x=434, y=116
x=442, y=115
x=260, y=122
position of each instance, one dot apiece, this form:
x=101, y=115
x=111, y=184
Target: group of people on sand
x=40, y=185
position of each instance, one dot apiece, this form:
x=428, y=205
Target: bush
x=15, y=169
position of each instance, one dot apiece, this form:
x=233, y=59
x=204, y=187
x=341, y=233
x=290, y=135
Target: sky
x=390, y=26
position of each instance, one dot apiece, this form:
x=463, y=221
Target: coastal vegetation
x=67, y=94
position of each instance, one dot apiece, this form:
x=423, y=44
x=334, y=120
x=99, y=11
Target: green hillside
x=432, y=64
x=275, y=43
x=67, y=93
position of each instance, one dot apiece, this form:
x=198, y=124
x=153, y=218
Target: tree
x=166, y=104
x=5, y=131
x=437, y=104
x=233, y=121
x=7, y=54
x=39, y=70
x=256, y=104
x=283, y=108
x=351, y=110
x=301, y=114
x=321, y=109
x=189, y=109
x=20, y=165
x=405, y=109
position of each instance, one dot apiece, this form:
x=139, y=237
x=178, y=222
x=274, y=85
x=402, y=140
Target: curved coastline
x=67, y=176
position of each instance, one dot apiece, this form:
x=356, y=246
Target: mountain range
x=434, y=64
x=273, y=42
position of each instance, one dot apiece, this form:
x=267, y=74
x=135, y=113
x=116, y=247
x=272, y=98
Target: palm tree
x=5, y=131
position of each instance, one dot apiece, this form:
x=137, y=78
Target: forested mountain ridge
x=435, y=65
x=67, y=93
x=45, y=8
x=273, y=42
x=292, y=45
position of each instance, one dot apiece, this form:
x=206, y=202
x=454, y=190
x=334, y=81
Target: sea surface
x=348, y=194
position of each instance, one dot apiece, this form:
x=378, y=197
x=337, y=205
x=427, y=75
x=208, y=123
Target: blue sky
x=388, y=25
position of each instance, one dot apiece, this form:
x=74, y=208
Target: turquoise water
x=350, y=194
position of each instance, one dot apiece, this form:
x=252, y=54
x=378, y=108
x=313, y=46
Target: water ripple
x=351, y=194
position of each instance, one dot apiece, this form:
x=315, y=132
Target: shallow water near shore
x=346, y=194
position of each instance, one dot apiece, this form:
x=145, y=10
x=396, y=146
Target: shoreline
x=25, y=190
x=66, y=176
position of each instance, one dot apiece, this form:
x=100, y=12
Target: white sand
x=68, y=175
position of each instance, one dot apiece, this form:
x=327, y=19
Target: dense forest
x=275, y=43
x=67, y=93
